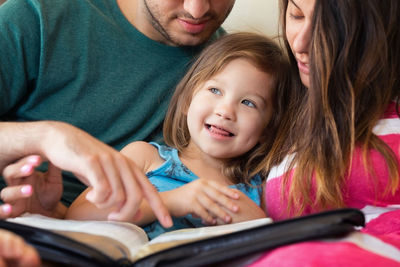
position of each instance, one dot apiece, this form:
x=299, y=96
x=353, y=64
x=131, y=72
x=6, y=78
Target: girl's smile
x=218, y=132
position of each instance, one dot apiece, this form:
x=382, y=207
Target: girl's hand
x=206, y=199
x=31, y=191
x=248, y=210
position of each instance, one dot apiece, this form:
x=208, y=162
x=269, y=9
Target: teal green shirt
x=82, y=62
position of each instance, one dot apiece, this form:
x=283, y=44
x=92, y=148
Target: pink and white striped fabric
x=377, y=244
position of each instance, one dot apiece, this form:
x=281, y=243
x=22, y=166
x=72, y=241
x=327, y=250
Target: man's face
x=182, y=22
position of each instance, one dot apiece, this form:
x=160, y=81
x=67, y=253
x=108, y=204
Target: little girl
x=220, y=123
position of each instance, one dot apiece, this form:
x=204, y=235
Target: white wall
x=259, y=16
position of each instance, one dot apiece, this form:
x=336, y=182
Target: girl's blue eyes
x=244, y=102
x=248, y=103
x=215, y=91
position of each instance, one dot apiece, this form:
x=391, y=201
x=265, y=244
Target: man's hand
x=115, y=179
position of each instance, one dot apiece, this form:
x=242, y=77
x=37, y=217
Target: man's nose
x=196, y=8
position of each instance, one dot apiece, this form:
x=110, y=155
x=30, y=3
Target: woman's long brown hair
x=355, y=71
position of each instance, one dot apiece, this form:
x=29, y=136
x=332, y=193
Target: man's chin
x=191, y=40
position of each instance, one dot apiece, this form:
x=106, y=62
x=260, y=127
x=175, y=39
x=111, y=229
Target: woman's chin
x=305, y=79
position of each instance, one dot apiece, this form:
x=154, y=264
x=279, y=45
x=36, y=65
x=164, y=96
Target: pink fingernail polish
x=26, y=190
x=34, y=159
x=112, y=216
x=26, y=169
x=6, y=208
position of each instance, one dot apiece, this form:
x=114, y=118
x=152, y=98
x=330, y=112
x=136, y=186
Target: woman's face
x=298, y=32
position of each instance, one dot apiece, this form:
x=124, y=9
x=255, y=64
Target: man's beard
x=156, y=25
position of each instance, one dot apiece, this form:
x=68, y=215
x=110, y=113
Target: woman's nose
x=196, y=8
x=302, y=40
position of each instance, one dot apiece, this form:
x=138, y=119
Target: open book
x=125, y=240
x=103, y=243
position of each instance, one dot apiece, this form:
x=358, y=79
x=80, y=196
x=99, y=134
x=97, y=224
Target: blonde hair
x=261, y=51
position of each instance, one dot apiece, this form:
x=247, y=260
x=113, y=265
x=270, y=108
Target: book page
x=128, y=238
x=178, y=237
x=109, y=246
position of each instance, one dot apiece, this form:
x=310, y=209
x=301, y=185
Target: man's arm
x=115, y=179
x=19, y=139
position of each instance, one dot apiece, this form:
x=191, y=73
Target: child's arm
x=145, y=156
x=248, y=209
x=206, y=199
x=213, y=202
x=202, y=197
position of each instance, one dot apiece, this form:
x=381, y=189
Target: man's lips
x=218, y=130
x=193, y=27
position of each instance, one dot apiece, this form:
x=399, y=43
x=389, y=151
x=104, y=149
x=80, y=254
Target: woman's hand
x=14, y=251
x=206, y=199
x=31, y=191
